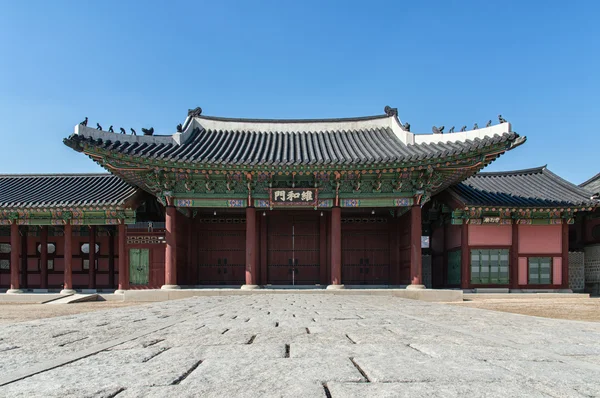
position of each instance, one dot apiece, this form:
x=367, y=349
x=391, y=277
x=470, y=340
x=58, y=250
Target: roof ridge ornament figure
x=406, y=126
x=475, y=126
x=123, y=131
x=110, y=129
x=501, y=119
x=98, y=127
x=133, y=132
x=451, y=130
x=149, y=131
x=488, y=124
x=390, y=111
x=438, y=130
x=463, y=128
x=179, y=128
x=84, y=123
x=195, y=112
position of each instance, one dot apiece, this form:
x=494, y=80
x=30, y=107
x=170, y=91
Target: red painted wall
x=540, y=239
x=453, y=236
x=490, y=235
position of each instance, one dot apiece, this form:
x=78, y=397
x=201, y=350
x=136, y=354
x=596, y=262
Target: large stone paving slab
x=299, y=345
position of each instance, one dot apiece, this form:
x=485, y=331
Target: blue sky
x=140, y=64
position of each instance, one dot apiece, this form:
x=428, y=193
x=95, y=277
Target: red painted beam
x=514, y=257
x=44, y=257
x=171, y=247
x=92, y=258
x=123, y=277
x=565, y=255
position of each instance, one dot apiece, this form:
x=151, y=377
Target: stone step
x=74, y=298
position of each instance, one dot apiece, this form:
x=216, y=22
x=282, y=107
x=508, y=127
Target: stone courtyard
x=300, y=346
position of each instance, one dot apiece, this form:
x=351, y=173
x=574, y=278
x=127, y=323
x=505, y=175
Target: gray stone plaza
x=309, y=345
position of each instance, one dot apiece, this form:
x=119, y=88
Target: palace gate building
x=329, y=202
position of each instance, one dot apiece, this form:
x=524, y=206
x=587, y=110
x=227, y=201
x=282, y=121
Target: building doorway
x=293, y=251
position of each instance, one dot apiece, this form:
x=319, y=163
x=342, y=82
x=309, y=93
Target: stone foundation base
x=250, y=287
x=14, y=291
x=415, y=287
x=170, y=287
x=68, y=291
x=335, y=287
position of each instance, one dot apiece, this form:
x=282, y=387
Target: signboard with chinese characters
x=491, y=220
x=293, y=197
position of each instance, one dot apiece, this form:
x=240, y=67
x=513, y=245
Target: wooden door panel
x=352, y=257
x=221, y=254
x=306, y=250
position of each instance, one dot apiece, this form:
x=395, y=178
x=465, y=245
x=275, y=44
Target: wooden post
x=92, y=258
x=444, y=254
x=263, y=249
x=123, y=277
x=24, y=261
x=465, y=255
x=514, y=257
x=171, y=249
x=44, y=257
x=565, y=255
x=416, y=261
x=251, y=265
x=68, y=260
x=111, y=258
x=336, y=249
x=15, y=247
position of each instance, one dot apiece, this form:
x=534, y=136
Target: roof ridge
x=532, y=170
x=324, y=120
x=589, y=180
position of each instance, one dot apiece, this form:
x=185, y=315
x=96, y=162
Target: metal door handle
x=218, y=270
x=361, y=270
x=224, y=270
x=219, y=261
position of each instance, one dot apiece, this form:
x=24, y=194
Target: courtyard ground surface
x=298, y=345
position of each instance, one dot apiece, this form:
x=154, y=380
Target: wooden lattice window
x=540, y=270
x=489, y=266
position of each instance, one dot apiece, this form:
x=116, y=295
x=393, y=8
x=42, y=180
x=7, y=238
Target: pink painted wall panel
x=453, y=233
x=522, y=270
x=490, y=235
x=540, y=239
x=557, y=270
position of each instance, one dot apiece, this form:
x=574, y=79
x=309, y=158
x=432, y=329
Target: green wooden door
x=139, y=266
x=454, y=265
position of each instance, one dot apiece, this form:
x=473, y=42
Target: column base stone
x=250, y=287
x=120, y=291
x=335, y=287
x=14, y=291
x=415, y=287
x=68, y=291
x=170, y=287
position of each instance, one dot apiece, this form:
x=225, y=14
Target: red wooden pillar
x=465, y=255
x=263, y=248
x=68, y=260
x=123, y=274
x=514, y=257
x=416, y=261
x=565, y=255
x=251, y=249
x=44, y=257
x=92, y=258
x=171, y=249
x=111, y=258
x=15, y=247
x=336, y=249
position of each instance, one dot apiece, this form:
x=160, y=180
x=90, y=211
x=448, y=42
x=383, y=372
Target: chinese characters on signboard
x=294, y=196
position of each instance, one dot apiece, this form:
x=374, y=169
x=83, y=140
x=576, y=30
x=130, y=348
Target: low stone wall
x=576, y=272
x=592, y=269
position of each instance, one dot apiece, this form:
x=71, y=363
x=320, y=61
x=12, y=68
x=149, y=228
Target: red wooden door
x=365, y=252
x=221, y=249
x=293, y=250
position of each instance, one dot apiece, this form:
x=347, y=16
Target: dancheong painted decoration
x=321, y=202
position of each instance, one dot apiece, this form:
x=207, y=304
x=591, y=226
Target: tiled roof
x=592, y=185
x=365, y=140
x=63, y=190
x=537, y=187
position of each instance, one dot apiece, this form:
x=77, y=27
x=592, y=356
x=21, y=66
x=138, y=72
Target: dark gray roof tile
x=537, y=187
x=63, y=190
